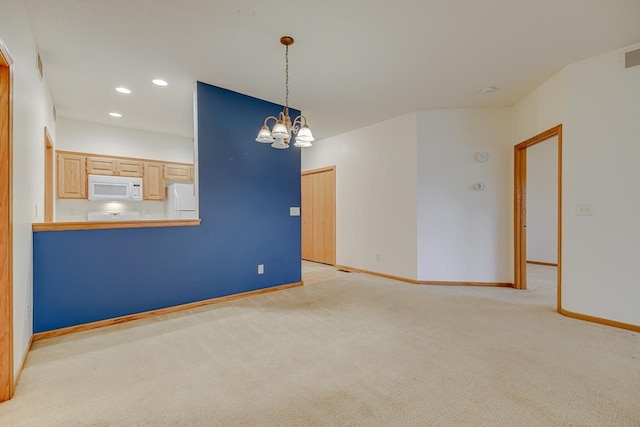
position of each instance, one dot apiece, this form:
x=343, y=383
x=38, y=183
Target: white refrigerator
x=181, y=202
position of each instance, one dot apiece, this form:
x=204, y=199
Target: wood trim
x=520, y=214
x=320, y=170
x=24, y=360
x=7, y=384
x=48, y=176
x=489, y=284
x=520, y=180
x=550, y=264
x=600, y=320
x=102, y=225
x=373, y=273
x=424, y=282
x=122, y=319
x=107, y=156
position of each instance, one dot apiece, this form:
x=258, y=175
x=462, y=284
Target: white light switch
x=294, y=211
x=584, y=210
x=260, y=268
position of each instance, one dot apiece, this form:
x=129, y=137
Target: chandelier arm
x=270, y=117
x=297, y=123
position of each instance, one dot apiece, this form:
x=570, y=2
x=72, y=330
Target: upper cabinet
x=178, y=172
x=101, y=166
x=73, y=169
x=72, y=176
x=129, y=168
x=153, y=185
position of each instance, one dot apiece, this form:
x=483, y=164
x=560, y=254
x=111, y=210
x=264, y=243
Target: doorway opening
x=6, y=230
x=520, y=211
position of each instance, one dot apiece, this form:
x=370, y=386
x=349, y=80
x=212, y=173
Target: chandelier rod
x=286, y=72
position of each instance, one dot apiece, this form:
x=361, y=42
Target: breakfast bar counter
x=102, y=225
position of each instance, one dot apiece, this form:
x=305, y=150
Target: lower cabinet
x=153, y=184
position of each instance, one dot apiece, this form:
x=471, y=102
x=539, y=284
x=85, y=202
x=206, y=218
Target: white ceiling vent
x=632, y=58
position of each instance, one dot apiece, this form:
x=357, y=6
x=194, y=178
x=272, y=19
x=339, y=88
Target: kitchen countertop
x=102, y=225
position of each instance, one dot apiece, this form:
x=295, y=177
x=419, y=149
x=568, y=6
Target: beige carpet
x=345, y=349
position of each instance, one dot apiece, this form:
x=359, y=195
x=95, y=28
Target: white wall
x=542, y=201
x=598, y=105
x=463, y=234
x=32, y=111
x=86, y=137
x=601, y=151
x=376, y=208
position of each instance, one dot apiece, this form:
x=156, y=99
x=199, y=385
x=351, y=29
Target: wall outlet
x=584, y=210
x=294, y=211
x=260, y=268
x=377, y=257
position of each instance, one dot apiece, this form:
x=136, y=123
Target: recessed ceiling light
x=115, y=114
x=123, y=90
x=159, y=82
x=489, y=89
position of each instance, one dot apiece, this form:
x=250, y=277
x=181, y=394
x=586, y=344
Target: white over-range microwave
x=115, y=188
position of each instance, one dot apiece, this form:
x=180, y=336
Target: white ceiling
x=354, y=62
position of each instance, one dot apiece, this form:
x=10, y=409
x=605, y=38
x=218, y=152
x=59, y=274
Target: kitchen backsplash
x=77, y=210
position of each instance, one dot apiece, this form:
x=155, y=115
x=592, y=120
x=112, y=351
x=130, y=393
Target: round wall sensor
x=478, y=186
x=482, y=156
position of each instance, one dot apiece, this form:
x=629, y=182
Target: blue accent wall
x=246, y=189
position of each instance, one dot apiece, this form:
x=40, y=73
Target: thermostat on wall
x=482, y=156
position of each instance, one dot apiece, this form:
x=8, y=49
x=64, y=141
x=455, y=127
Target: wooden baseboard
x=373, y=273
x=114, y=321
x=586, y=317
x=24, y=361
x=550, y=264
x=490, y=284
x=423, y=282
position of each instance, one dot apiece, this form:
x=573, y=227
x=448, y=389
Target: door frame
x=7, y=380
x=520, y=209
x=331, y=169
x=48, y=176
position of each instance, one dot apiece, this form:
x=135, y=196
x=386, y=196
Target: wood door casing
x=318, y=203
x=306, y=206
x=520, y=210
x=48, y=177
x=7, y=383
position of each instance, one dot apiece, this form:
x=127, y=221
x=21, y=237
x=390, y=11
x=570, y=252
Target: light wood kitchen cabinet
x=153, y=181
x=129, y=168
x=71, y=176
x=101, y=166
x=178, y=172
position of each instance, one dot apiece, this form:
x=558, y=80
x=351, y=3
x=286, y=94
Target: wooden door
x=319, y=215
x=306, y=206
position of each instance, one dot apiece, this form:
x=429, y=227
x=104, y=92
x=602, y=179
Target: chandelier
x=283, y=129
